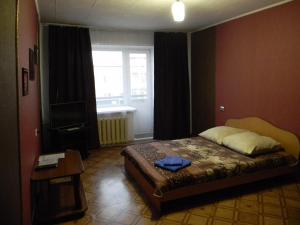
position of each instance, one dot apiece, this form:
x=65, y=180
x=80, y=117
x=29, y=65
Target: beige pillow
x=216, y=134
x=250, y=143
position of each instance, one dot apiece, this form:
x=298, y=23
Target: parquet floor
x=113, y=199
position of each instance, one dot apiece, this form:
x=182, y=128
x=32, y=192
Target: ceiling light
x=178, y=11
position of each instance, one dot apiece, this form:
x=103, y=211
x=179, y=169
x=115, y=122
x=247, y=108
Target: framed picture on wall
x=25, y=88
x=31, y=64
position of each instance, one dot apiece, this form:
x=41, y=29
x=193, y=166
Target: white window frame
x=126, y=50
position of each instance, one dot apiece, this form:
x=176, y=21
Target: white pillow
x=250, y=143
x=216, y=134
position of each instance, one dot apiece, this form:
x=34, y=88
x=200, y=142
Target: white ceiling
x=152, y=15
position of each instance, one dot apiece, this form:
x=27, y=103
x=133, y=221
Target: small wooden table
x=58, y=191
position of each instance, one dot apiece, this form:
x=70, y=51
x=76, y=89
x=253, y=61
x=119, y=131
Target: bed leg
x=156, y=213
x=156, y=210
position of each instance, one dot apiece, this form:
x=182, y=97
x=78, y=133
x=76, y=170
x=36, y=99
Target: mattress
x=210, y=162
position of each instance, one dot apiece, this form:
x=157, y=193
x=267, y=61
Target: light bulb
x=178, y=11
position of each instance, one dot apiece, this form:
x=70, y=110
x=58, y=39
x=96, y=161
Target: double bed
x=213, y=166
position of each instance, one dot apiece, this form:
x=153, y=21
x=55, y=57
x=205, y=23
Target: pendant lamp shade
x=178, y=11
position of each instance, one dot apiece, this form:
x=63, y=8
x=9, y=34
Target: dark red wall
x=29, y=106
x=258, y=67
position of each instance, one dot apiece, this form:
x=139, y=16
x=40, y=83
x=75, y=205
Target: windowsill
x=116, y=109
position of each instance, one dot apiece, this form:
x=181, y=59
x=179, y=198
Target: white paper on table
x=52, y=157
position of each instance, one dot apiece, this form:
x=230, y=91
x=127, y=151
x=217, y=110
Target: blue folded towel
x=172, y=163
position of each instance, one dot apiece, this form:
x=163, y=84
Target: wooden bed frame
x=288, y=140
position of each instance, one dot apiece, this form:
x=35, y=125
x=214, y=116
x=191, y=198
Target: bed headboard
x=288, y=140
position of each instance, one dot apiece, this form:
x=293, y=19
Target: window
x=122, y=75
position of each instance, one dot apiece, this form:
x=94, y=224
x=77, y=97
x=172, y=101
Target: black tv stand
x=68, y=127
x=70, y=137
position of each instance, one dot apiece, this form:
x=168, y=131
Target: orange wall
x=29, y=106
x=258, y=67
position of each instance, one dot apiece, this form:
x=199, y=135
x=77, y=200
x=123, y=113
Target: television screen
x=67, y=114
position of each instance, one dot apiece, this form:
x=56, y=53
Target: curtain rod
x=67, y=25
x=105, y=29
x=93, y=27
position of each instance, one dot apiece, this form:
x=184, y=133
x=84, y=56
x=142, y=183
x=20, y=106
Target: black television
x=67, y=114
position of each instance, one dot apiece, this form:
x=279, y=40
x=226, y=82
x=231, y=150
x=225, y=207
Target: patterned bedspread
x=210, y=161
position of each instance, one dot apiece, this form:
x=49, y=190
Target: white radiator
x=112, y=130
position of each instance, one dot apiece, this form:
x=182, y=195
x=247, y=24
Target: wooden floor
x=115, y=200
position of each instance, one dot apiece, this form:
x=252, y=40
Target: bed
x=213, y=166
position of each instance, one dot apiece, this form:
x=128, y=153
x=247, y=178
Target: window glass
x=138, y=74
x=108, y=81
x=108, y=72
x=107, y=58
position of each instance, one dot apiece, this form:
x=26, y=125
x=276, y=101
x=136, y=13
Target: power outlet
x=36, y=132
x=222, y=108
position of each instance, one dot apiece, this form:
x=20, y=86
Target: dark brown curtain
x=171, y=86
x=71, y=73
